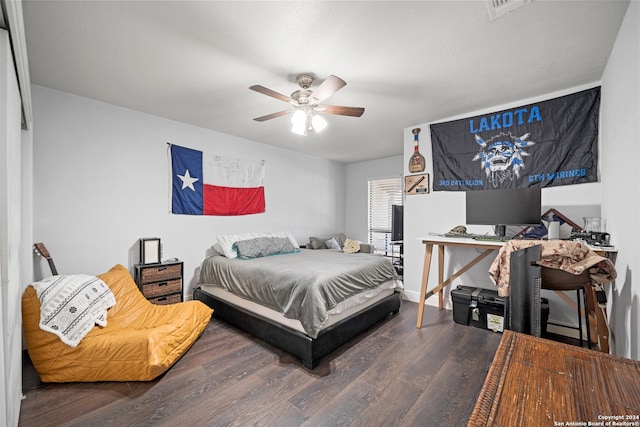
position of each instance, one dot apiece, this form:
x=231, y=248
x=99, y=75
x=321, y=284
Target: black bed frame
x=310, y=350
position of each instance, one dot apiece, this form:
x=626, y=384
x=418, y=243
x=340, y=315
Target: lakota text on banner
x=207, y=184
x=548, y=143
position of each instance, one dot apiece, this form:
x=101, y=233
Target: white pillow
x=227, y=241
x=332, y=243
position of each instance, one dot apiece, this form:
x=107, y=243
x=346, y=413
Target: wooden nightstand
x=160, y=283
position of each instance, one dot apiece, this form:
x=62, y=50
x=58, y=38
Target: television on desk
x=397, y=223
x=500, y=208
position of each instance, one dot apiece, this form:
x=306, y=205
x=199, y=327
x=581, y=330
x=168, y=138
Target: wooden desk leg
x=441, y=275
x=598, y=326
x=603, y=329
x=425, y=277
x=601, y=320
x=591, y=309
x=426, y=265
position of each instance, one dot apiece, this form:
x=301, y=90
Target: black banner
x=544, y=144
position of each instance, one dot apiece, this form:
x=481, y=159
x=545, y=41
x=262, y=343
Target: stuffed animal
x=351, y=246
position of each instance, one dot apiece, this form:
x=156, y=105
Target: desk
x=488, y=247
x=442, y=242
x=537, y=382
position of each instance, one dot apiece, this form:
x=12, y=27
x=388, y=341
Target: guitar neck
x=41, y=250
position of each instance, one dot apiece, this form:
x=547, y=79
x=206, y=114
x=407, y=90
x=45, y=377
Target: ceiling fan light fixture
x=306, y=103
x=319, y=123
x=298, y=118
x=299, y=123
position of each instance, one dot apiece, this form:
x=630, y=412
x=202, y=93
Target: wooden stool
x=562, y=281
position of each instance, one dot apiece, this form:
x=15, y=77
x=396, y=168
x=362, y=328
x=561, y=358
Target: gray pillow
x=319, y=242
x=340, y=238
x=263, y=246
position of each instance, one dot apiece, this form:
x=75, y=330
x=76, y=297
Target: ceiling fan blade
x=272, y=116
x=266, y=91
x=342, y=111
x=327, y=88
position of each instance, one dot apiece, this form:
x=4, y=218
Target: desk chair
x=560, y=280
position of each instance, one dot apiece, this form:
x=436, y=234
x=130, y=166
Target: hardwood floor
x=392, y=375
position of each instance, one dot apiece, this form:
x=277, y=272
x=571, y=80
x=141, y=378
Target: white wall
x=440, y=211
x=620, y=120
x=101, y=183
x=357, y=204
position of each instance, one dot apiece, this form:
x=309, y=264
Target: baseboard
x=413, y=296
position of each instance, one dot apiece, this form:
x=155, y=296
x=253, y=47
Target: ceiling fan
x=307, y=105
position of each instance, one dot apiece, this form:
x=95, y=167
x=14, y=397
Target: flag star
x=187, y=180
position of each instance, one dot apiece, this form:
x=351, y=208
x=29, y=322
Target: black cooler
x=483, y=308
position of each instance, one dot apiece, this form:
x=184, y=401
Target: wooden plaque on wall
x=416, y=184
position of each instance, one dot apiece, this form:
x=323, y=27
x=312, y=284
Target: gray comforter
x=302, y=285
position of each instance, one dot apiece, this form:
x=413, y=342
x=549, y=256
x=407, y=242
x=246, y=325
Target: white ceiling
x=405, y=62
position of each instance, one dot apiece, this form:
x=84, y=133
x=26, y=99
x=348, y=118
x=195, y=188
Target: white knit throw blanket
x=71, y=305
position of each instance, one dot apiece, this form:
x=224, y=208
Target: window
x=383, y=193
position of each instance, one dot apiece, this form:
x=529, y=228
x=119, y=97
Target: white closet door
x=10, y=238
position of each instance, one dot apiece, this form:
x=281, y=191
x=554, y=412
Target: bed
x=307, y=303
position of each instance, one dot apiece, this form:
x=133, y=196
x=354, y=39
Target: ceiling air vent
x=497, y=8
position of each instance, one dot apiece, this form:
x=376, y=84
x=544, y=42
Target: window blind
x=383, y=193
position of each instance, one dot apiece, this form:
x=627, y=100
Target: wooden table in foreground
x=599, y=325
x=537, y=382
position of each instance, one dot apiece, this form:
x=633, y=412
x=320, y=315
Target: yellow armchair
x=141, y=340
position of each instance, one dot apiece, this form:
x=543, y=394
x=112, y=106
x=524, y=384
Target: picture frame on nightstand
x=150, y=252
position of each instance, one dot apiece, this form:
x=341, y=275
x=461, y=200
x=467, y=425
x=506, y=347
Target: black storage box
x=483, y=308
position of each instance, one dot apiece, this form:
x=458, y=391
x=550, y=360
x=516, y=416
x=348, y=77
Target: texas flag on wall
x=207, y=184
